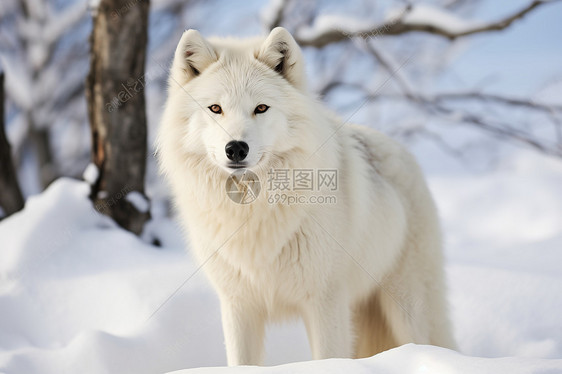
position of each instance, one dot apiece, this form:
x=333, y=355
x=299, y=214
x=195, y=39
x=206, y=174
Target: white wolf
x=365, y=274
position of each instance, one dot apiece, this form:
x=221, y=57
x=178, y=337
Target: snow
x=406, y=359
x=270, y=12
x=79, y=294
x=139, y=201
x=93, y=4
x=424, y=14
x=420, y=14
x=91, y=174
x=325, y=23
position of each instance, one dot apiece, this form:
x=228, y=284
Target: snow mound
x=408, y=358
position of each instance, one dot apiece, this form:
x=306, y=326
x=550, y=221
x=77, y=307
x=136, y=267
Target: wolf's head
x=235, y=99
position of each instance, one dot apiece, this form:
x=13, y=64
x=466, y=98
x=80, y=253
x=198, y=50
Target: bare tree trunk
x=11, y=199
x=40, y=139
x=116, y=108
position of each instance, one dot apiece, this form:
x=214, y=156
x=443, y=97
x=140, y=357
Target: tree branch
x=403, y=24
x=392, y=70
x=549, y=108
x=273, y=15
x=503, y=131
x=434, y=105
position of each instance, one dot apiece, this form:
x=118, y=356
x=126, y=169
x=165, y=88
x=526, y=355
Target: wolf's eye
x=262, y=108
x=215, y=109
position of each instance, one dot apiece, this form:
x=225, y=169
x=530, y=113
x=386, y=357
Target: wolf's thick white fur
x=365, y=274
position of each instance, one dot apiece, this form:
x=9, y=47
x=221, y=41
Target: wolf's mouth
x=237, y=166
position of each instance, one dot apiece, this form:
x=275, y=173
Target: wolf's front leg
x=328, y=324
x=243, y=327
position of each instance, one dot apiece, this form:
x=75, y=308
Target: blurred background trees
x=43, y=47
x=436, y=74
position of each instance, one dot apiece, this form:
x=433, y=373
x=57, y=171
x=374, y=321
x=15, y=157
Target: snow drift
x=78, y=294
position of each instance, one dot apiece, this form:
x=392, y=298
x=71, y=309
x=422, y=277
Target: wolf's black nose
x=236, y=151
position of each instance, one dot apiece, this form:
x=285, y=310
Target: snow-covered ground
x=406, y=359
x=80, y=295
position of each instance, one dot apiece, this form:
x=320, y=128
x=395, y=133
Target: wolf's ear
x=192, y=56
x=282, y=53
